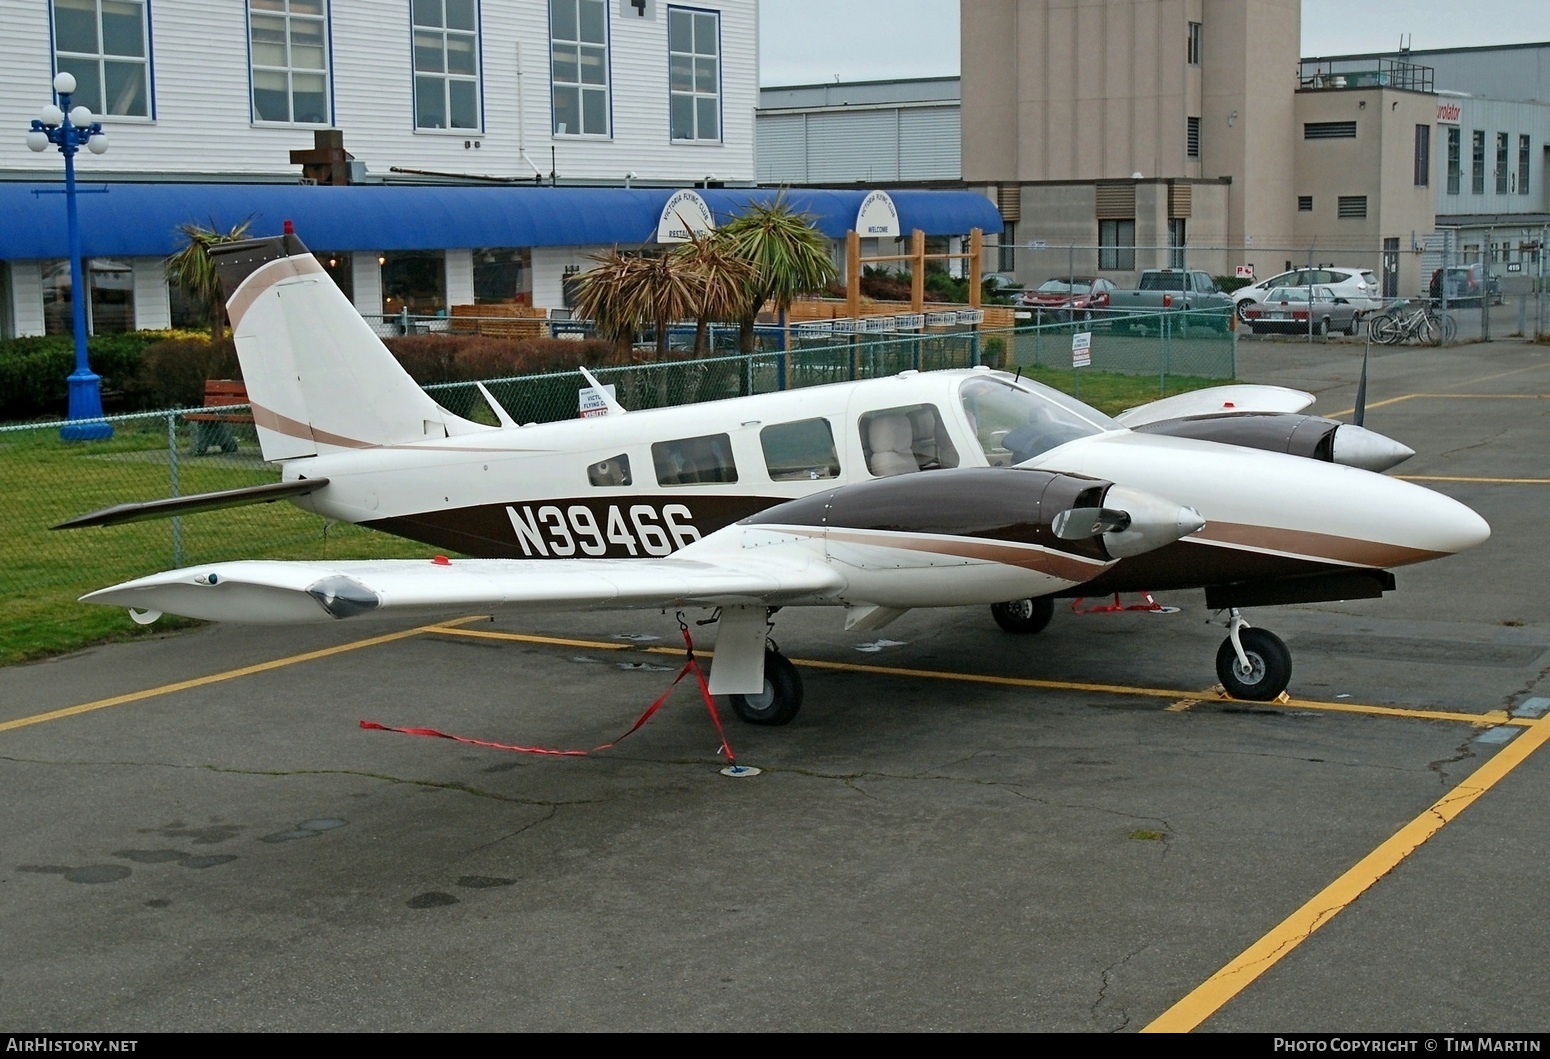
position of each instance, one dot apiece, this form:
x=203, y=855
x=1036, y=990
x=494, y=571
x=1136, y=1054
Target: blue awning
x=142, y=220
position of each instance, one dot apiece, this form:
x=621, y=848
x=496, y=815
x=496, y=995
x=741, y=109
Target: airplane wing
x=273, y=592
x=1239, y=397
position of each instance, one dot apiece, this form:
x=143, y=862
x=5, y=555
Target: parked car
x=1164, y=290
x=1068, y=297
x=1287, y=310
x=1356, y=285
x=1465, y=284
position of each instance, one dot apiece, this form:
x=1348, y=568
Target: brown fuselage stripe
x=1028, y=557
x=263, y=278
x=1308, y=544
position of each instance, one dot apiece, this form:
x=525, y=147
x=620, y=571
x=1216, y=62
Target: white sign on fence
x=592, y=401
x=1082, y=349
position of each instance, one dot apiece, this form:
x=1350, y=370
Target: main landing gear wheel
x=1269, y=670
x=781, y=698
x=1024, y=616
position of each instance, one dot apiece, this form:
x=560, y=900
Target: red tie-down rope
x=691, y=664
x=1147, y=603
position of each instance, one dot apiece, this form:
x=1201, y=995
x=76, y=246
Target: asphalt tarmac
x=963, y=830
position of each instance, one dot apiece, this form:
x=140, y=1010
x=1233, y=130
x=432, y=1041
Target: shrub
x=173, y=371
x=1228, y=284
x=33, y=371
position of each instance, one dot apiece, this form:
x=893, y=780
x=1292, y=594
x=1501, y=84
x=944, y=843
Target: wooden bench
x=213, y=429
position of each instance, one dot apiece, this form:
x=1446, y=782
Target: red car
x=1071, y=297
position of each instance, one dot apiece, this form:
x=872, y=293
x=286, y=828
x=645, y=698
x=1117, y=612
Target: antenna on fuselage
x=495, y=406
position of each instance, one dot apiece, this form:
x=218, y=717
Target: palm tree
x=627, y=291
x=726, y=277
x=192, y=269
x=789, y=257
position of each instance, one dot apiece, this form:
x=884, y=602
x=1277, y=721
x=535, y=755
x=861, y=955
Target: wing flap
x=296, y=592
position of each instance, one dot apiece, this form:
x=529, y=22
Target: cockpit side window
x=694, y=461
x=613, y=471
x=800, y=451
x=901, y=440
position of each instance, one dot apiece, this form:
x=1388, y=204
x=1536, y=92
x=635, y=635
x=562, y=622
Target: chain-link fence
x=44, y=480
x=1497, y=285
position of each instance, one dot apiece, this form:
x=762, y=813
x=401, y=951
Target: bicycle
x=1401, y=323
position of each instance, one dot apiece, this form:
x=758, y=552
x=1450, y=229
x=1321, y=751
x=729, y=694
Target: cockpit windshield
x=1016, y=421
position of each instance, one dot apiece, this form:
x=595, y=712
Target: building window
x=1329, y=130
x=104, y=44
x=503, y=274
x=1351, y=206
x=1454, y=151
x=578, y=49
x=110, y=305
x=341, y=269
x=1006, y=253
x=1304, y=203
x=1423, y=155
x=1477, y=160
x=1176, y=241
x=288, y=53
x=694, y=74
x=1501, y=163
x=1193, y=49
x=414, y=281
x=1192, y=137
x=1117, y=245
x=1523, y=150
x=446, y=64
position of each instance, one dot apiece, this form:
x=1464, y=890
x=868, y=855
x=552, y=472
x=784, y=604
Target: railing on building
x=1317, y=74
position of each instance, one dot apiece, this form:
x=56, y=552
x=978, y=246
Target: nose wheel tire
x=1024, y=616
x=781, y=698
x=1269, y=671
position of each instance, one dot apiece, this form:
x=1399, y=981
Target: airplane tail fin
x=318, y=377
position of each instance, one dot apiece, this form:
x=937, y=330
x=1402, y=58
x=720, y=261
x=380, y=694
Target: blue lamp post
x=70, y=130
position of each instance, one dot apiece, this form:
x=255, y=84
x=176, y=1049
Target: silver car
x=1357, y=286
x=1286, y=310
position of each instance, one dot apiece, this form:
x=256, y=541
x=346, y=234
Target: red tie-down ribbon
x=691, y=665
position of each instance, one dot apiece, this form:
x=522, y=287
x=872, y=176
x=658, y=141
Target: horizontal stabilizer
x=187, y=505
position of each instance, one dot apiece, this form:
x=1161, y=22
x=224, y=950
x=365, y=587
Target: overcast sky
x=811, y=41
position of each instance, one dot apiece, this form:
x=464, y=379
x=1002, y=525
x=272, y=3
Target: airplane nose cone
x=1154, y=521
x=1359, y=447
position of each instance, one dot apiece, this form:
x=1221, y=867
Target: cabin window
x=694, y=461
x=801, y=451
x=613, y=471
x=900, y=440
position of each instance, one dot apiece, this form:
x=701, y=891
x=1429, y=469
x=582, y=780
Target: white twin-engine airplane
x=928, y=489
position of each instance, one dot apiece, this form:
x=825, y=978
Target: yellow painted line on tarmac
x=555, y=641
x=1209, y=997
x=217, y=678
x=1180, y=699
x=1482, y=481
x=1450, y=396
